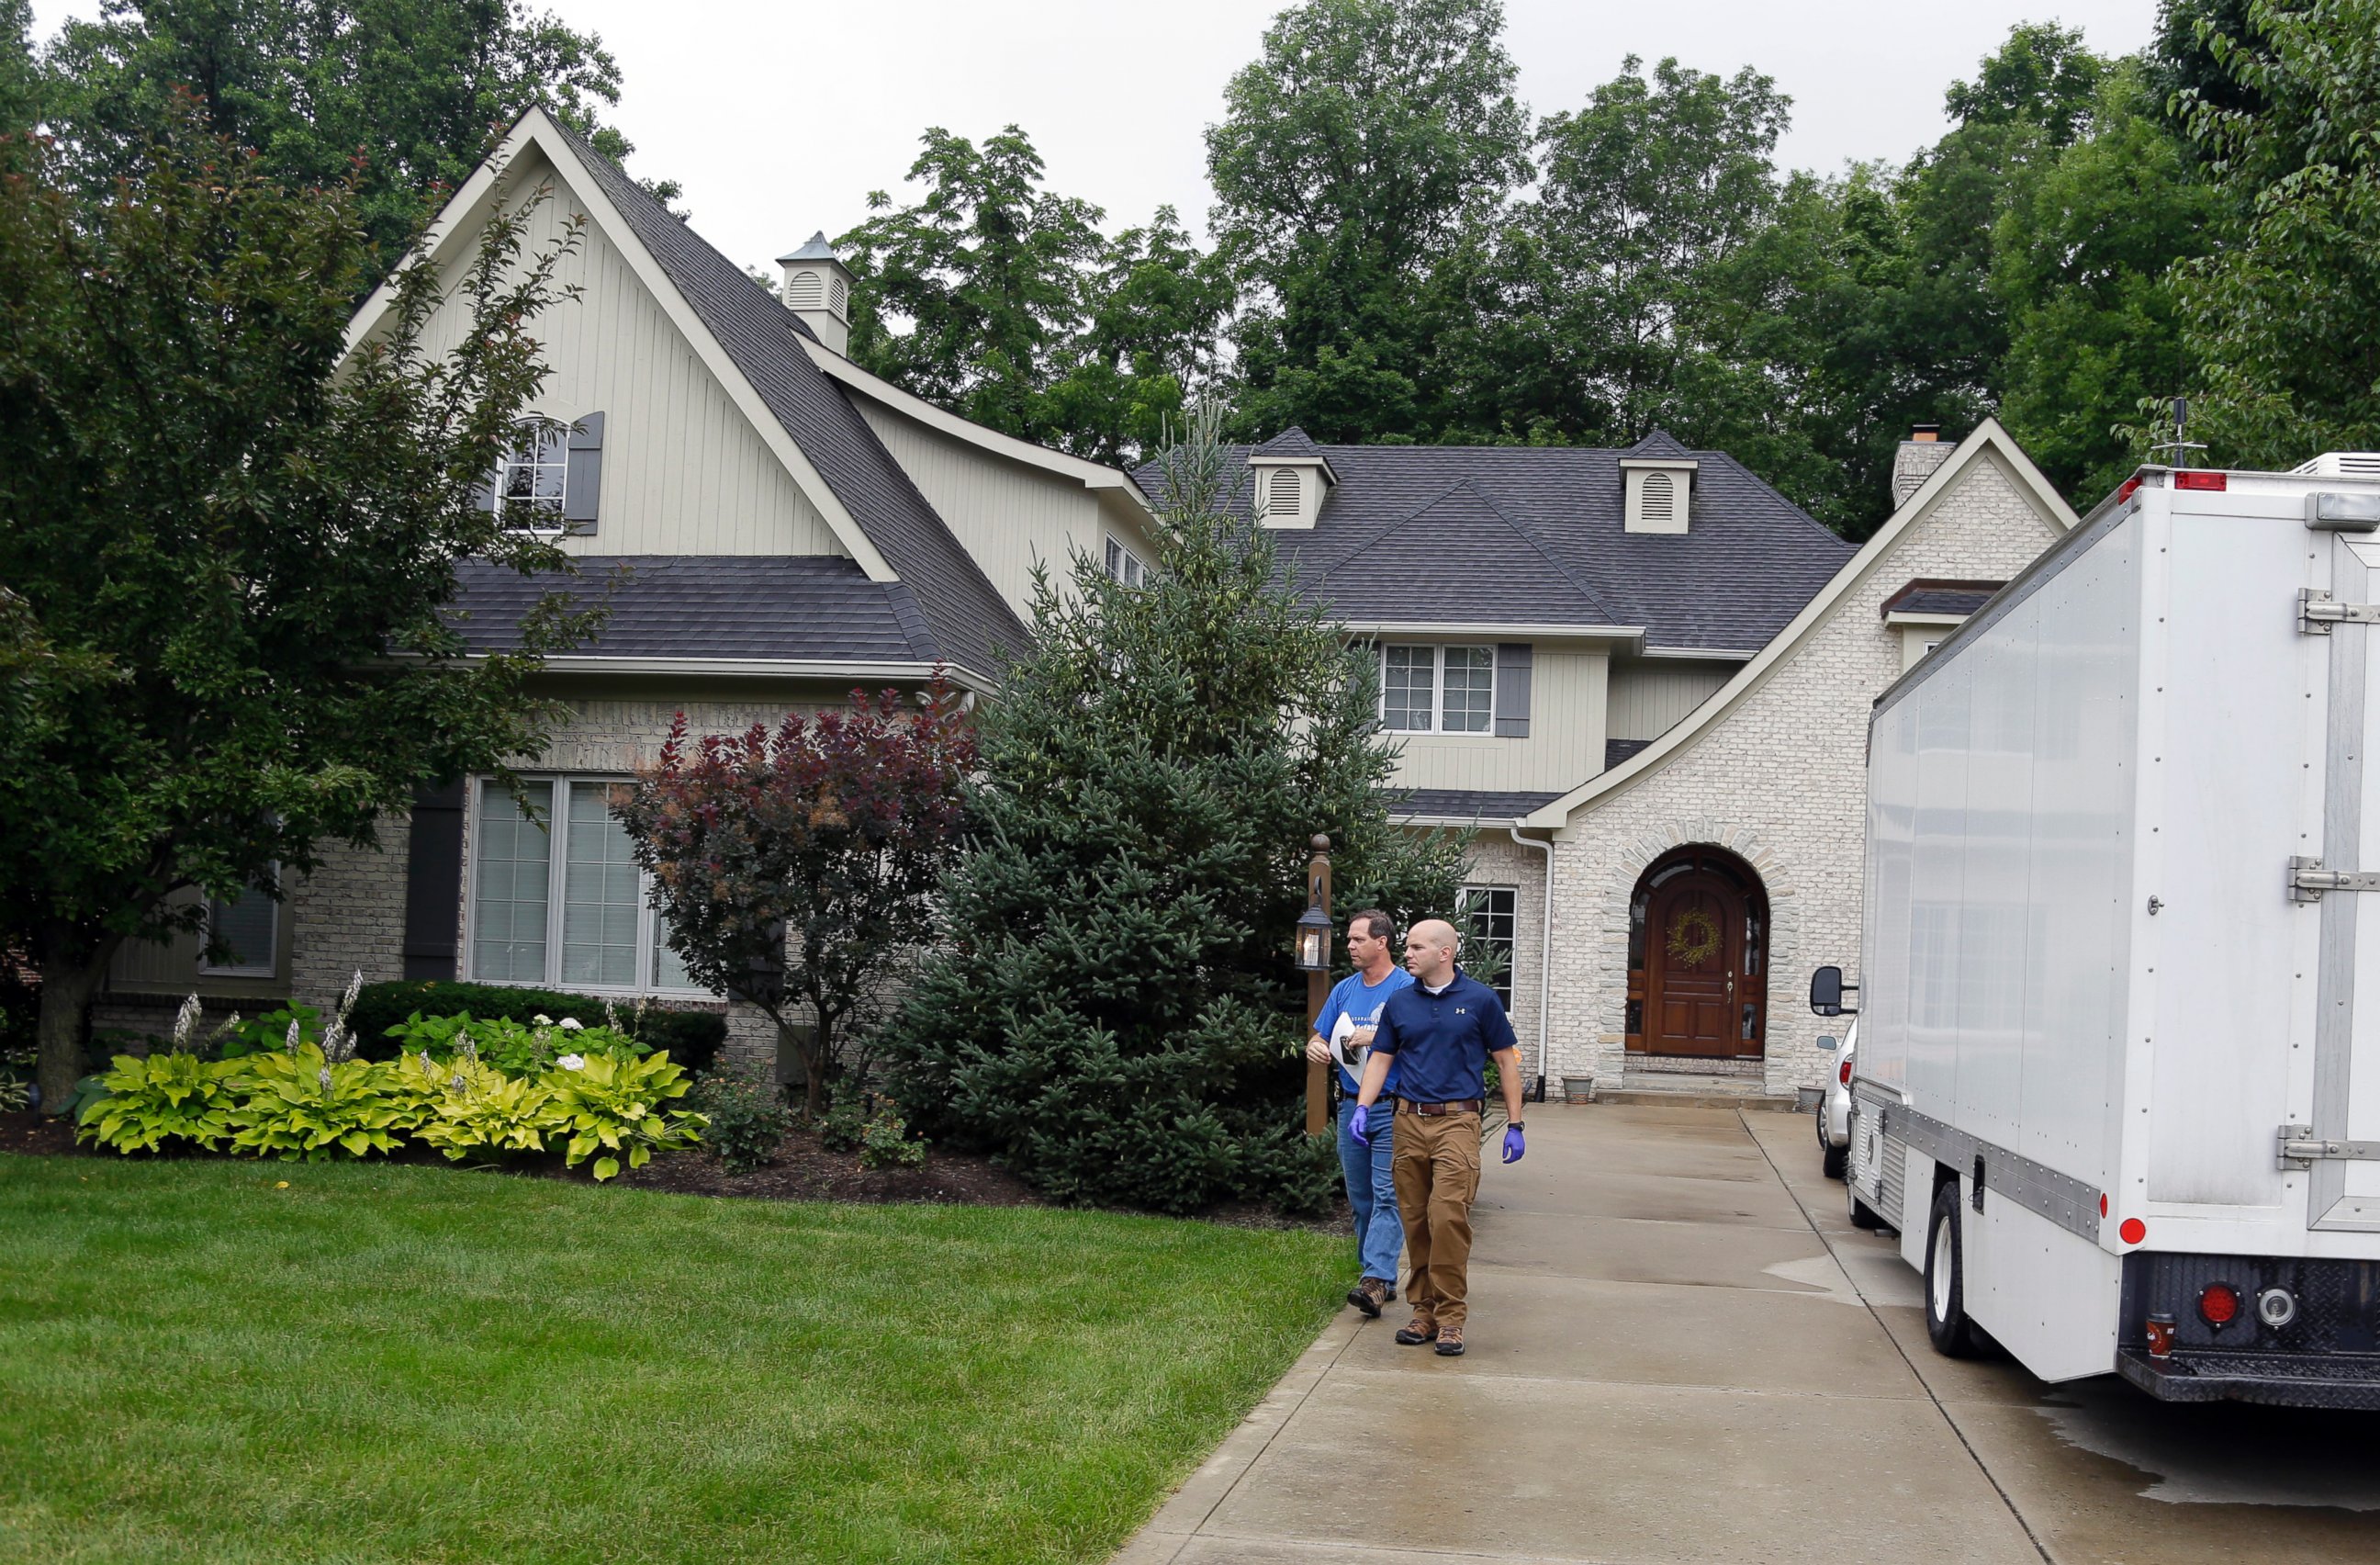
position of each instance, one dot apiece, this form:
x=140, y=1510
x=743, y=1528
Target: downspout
x=1545, y=955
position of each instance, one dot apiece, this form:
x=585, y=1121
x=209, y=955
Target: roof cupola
x=818, y=289
x=1293, y=479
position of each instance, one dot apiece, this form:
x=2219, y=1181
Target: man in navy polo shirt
x=1343, y=1034
x=1439, y=1035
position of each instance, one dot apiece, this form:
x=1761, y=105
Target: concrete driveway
x=1681, y=1350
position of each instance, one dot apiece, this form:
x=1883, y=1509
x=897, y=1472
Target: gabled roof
x=1291, y=442
x=754, y=345
x=1988, y=443
x=1938, y=597
x=1535, y=535
x=779, y=609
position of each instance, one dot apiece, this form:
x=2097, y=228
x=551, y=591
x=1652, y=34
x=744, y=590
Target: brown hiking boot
x=1421, y=1331
x=1368, y=1296
x=1450, y=1341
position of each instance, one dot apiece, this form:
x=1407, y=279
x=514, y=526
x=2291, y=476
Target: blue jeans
x=1372, y=1192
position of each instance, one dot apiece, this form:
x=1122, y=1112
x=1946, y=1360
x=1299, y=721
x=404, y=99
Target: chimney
x=818, y=289
x=1914, y=463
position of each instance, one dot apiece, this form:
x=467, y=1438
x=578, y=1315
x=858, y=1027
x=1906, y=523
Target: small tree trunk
x=814, y=1058
x=66, y=989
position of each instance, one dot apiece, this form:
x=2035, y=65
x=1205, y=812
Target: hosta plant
x=614, y=1108
x=163, y=1097
x=475, y=1107
x=516, y=1049
x=301, y=1105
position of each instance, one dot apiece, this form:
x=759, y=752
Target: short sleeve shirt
x=1441, y=1042
x=1360, y=1003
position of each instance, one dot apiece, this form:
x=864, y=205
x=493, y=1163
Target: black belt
x=1437, y=1111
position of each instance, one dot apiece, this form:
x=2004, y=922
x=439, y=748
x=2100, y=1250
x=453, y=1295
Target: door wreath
x=1694, y=937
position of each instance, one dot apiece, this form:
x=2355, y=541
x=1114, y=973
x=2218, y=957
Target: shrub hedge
x=693, y=1038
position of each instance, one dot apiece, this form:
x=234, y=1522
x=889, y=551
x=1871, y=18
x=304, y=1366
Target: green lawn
x=407, y=1363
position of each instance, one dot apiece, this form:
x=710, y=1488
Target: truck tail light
x=1844, y=1074
x=2200, y=479
x=2218, y=1304
x=2276, y=1307
x=2160, y=1335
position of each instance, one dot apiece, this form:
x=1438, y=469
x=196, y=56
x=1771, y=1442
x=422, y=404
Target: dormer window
x=1659, y=494
x=535, y=477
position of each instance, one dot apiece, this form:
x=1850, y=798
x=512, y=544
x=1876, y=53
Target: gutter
x=1546, y=951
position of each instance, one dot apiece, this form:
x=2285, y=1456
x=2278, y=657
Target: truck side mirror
x=1827, y=988
x=1829, y=1042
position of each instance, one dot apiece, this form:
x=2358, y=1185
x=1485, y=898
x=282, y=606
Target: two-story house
x=1640, y=676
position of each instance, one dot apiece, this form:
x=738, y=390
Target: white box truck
x=2119, y=1078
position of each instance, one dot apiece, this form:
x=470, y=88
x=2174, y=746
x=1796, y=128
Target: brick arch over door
x=1777, y=878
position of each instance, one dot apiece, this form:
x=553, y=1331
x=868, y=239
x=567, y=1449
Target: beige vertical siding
x=1007, y=515
x=1649, y=696
x=684, y=471
x=1564, y=746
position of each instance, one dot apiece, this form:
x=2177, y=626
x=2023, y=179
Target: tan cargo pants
x=1435, y=1162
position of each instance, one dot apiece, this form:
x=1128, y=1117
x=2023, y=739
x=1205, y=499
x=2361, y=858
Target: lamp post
x=1312, y=944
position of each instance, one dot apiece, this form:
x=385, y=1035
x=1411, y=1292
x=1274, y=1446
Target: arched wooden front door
x=1698, y=981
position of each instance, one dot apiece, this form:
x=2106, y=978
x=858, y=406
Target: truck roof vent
x=2341, y=464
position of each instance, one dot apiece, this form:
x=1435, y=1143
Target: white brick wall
x=1781, y=781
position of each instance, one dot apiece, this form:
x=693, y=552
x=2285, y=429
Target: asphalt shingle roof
x=777, y=608
x=1466, y=804
x=1533, y=535
x=969, y=622
x=1925, y=596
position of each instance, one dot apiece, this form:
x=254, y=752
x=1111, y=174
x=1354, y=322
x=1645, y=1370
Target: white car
x=1834, y=1115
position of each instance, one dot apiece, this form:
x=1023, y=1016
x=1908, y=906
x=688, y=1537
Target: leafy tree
x=1112, y=1012
x=987, y=272
x=1366, y=149
x=216, y=527
x=2081, y=263
x=1651, y=197
x=21, y=79
x=2282, y=318
x=796, y=868
x=413, y=93
x=999, y=300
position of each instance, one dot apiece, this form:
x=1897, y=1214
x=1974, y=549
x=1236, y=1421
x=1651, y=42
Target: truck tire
x=1863, y=1216
x=1953, y=1335
x=1832, y=1159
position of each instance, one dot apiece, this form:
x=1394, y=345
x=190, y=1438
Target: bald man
x=1439, y=1032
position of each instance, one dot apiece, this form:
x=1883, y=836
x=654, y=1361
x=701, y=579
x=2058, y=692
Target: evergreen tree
x=1113, y=1014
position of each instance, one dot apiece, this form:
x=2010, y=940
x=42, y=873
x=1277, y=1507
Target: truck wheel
x=1832, y=1159
x=1953, y=1335
x=1863, y=1216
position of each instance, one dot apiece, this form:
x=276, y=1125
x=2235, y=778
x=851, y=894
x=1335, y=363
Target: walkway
x=1670, y=1362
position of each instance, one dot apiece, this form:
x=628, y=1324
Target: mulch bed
x=25, y=1130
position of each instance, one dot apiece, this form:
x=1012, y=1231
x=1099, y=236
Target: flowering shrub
x=517, y=1048
x=745, y=1119
x=886, y=1143
x=164, y=1097
x=614, y=1104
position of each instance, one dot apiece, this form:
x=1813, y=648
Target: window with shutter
x=531, y=487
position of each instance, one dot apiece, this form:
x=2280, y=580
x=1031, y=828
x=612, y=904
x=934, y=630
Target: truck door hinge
x=2300, y=1149
x=2309, y=880
x=2317, y=612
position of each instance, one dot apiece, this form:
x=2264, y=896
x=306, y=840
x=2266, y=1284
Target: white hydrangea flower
x=542, y=1020
x=572, y=1061
x=569, y=1025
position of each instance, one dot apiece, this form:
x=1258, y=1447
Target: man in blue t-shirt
x=1436, y=1036
x=1343, y=1034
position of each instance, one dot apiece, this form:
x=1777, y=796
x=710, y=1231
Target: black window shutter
x=433, y=883
x=1513, y=664
x=582, y=490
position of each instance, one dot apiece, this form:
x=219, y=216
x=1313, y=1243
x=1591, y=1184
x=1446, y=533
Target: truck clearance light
x=2132, y=1230
x=2200, y=479
x=2218, y=1304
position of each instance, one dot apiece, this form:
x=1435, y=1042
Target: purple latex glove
x=1359, y=1125
x=1513, y=1145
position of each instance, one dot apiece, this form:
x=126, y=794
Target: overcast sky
x=780, y=119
